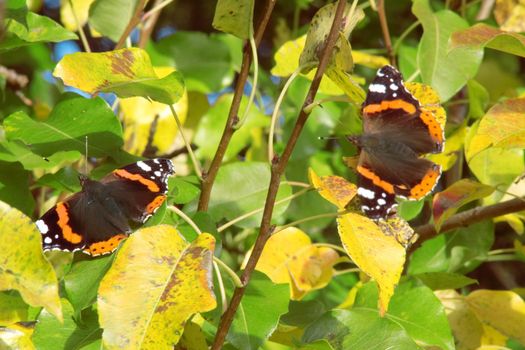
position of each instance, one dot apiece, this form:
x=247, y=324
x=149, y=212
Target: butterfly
x=104, y=212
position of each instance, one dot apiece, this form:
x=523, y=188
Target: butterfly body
x=104, y=212
x=396, y=133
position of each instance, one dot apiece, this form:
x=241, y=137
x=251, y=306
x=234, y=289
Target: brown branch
x=135, y=19
x=278, y=168
x=469, y=217
x=384, y=29
x=149, y=24
x=229, y=128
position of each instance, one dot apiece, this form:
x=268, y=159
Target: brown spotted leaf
x=157, y=282
x=125, y=72
x=334, y=189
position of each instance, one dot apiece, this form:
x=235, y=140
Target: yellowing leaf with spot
x=502, y=310
x=334, y=189
x=125, y=72
x=149, y=126
x=23, y=265
x=448, y=202
x=379, y=256
x=502, y=127
x=157, y=282
x=290, y=257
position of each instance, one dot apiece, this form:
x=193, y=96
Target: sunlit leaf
x=71, y=121
x=234, y=17
x=444, y=280
x=445, y=72
x=510, y=15
x=334, y=189
x=453, y=146
x=289, y=257
x=67, y=18
x=398, y=228
x=125, y=72
x=24, y=267
x=369, y=60
x=16, y=337
x=110, y=17
x=482, y=35
x=158, y=280
x=446, y=203
x=379, y=256
x=502, y=127
x=503, y=310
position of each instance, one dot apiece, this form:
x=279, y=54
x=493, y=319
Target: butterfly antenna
x=86, y=156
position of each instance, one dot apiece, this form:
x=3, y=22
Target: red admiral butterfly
x=396, y=133
x=96, y=219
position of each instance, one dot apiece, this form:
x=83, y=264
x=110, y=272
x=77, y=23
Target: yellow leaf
x=368, y=60
x=193, y=338
x=158, y=281
x=503, y=310
x=452, y=148
x=16, y=337
x=23, y=265
x=379, y=256
x=465, y=326
x=81, y=10
x=142, y=117
x=334, y=189
x=510, y=15
x=398, y=228
x=290, y=257
x=491, y=337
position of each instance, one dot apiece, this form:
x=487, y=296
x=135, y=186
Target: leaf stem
x=404, y=35
x=501, y=251
x=83, y=37
x=209, y=178
x=333, y=246
x=253, y=47
x=186, y=143
x=236, y=280
x=222, y=290
x=185, y=218
x=386, y=32
x=278, y=168
x=345, y=271
x=276, y=110
x=258, y=210
x=310, y=218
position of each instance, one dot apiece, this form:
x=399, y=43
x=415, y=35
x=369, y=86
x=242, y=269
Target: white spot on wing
x=156, y=161
x=42, y=227
x=379, y=88
x=383, y=195
x=394, y=86
x=365, y=193
x=381, y=201
x=48, y=240
x=157, y=173
x=143, y=166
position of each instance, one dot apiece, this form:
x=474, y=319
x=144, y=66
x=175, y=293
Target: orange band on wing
x=104, y=247
x=152, y=186
x=427, y=183
x=375, y=179
x=435, y=129
x=393, y=104
x=63, y=223
x=154, y=204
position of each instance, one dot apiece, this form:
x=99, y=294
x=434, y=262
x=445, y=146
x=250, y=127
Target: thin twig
x=134, y=20
x=236, y=280
x=149, y=20
x=186, y=218
x=229, y=128
x=222, y=290
x=468, y=217
x=278, y=168
x=242, y=120
x=384, y=29
x=403, y=35
x=80, y=29
x=186, y=143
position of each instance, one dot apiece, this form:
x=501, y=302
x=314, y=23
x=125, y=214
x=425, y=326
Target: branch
x=384, y=29
x=149, y=21
x=469, y=217
x=229, y=128
x=278, y=167
x=135, y=19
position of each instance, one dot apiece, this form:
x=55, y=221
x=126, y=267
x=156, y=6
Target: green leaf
x=234, y=17
x=110, y=17
x=125, y=72
x=69, y=123
x=204, y=60
x=24, y=267
x=459, y=251
x=482, y=35
x=82, y=281
x=358, y=329
x=51, y=334
x=444, y=280
x=250, y=181
x=478, y=98
x=445, y=72
x=258, y=314
x=24, y=27
x=446, y=203
x=64, y=180
x=410, y=209
x=183, y=189
x=425, y=321
x=13, y=307
x=212, y=124
x=14, y=187
x=156, y=283
x=19, y=152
